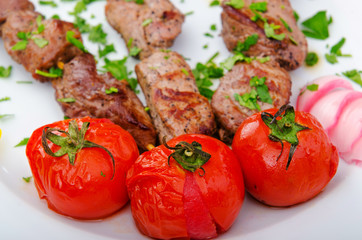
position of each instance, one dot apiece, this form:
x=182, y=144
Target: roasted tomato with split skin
x=79, y=166
x=191, y=187
x=285, y=158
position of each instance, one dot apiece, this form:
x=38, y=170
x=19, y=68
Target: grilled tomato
x=286, y=156
x=191, y=187
x=79, y=166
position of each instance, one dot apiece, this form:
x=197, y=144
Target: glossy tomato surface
x=313, y=164
x=170, y=202
x=85, y=190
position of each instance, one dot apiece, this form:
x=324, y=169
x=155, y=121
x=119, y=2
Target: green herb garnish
x=317, y=26
x=237, y=4
x=111, y=90
x=66, y=100
x=336, y=52
x=311, y=59
x=5, y=72
x=76, y=42
x=146, y=22
x=27, y=179
x=22, y=142
x=354, y=75
x=106, y=50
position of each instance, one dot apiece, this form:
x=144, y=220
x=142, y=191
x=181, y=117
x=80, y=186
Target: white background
x=336, y=213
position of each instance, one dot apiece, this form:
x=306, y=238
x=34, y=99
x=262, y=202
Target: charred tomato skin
x=313, y=164
x=156, y=189
x=85, y=190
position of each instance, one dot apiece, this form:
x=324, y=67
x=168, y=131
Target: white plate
x=336, y=213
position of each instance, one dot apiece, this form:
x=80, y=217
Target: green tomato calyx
x=71, y=143
x=189, y=156
x=284, y=128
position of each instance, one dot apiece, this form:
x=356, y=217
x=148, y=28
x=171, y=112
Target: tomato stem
x=284, y=128
x=71, y=143
x=189, y=156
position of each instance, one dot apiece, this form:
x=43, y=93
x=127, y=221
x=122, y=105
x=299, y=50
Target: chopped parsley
x=5, y=115
x=102, y=174
x=215, y=3
x=26, y=36
x=66, y=100
x=111, y=90
x=119, y=70
x=136, y=1
x=5, y=72
x=189, y=13
x=354, y=75
x=259, y=92
x=48, y=3
x=146, y=22
x=259, y=6
x=4, y=99
x=205, y=73
x=208, y=35
x=213, y=27
x=106, y=50
x=313, y=87
x=270, y=31
x=27, y=179
x=185, y=71
x=336, y=52
x=286, y=25
x=55, y=16
x=311, y=59
x=133, y=51
x=296, y=16
x=81, y=24
x=53, y=72
x=40, y=42
x=22, y=142
x=238, y=52
x=317, y=26
x=97, y=35
x=237, y=4
x=76, y=42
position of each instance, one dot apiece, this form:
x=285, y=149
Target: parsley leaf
x=48, y=3
x=336, y=52
x=237, y=4
x=215, y=3
x=111, y=90
x=270, y=33
x=106, y=50
x=27, y=179
x=354, y=75
x=248, y=100
x=5, y=72
x=97, y=35
x=317, y=26
x=5, y=115
x=82, y=24
x=245, y=46
x=53, y=72
x=259, y=6
x=261, y=89
x=21, y=45
x=146, y=22
x=66, y=100
x=118, y=69
x=4, y=99
x=40, y=42
x=311, y=59
x=205, y=73
x=313, y=87
x=22, y=142
x=76, y=42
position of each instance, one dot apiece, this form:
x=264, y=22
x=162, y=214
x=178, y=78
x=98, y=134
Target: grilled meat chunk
x=289, y=52
x=82, y=83
x=175, y=103
x=8, y=6
x=149, y=26
x=34, y=57
x=228, y=111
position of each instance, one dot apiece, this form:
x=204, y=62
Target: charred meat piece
x=175, y=103
x=8, y=6
x=33, y=57
x=289, y=52
x=228, y=111
x=87, y=89
x=149, y=26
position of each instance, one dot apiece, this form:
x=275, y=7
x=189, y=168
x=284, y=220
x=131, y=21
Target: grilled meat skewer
x=9, y=6
x=289, y=52
x=176, y=106
x=228, y=111
x=35, y=57
x=150, y=26
x=87, y=89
